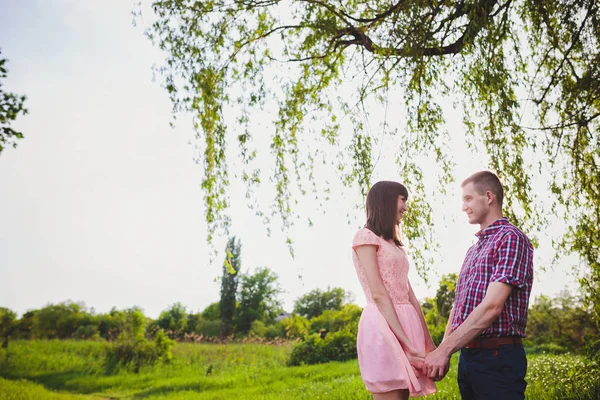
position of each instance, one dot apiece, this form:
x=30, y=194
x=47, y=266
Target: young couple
x=396, y=354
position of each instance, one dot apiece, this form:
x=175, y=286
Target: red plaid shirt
x=502, y=254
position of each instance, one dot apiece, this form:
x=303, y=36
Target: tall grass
x=245, y=371
x=24, y=390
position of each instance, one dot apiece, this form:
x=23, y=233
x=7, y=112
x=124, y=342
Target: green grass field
x=76, y=370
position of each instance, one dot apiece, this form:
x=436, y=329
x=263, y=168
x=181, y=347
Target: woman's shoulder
x=365, y=236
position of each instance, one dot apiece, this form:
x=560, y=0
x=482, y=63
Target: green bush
x=592, y=349
x=309, y=351
x=340, y=346
x=274, y=331
x=337, y=346
x=333, y=336
x=174, y=320
x=87, y=332
x=333, y=321
x=258, y=329
x=8, y=325
x=563, y=377
x=209, y=328
x=295, y=326
x=546, y=348
x=134, y=353
x=59, y=321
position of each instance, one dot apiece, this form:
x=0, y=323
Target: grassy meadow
x=69, y=369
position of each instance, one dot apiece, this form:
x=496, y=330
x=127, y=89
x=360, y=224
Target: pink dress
x=383, y=363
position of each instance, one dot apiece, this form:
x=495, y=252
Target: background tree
x=212, y=312
x=444, y=297
x=11, y=105
x=112, y=323
x=58, y=321
x=174, y=320
x=564, y=321
x=135, y=322
x=229, y=284
x=132, y=350
x=258, y=298
x=315, y=302
x=8, y=320
x=211, y=325
x=25, y=325
x=437, y=309
x=194, y=322
x=526, y=74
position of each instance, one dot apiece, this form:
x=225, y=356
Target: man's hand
x=437, y=364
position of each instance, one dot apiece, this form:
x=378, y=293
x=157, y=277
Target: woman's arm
x=367, y=256
x=429, y=345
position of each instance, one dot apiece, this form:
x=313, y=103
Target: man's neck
x=490, y=219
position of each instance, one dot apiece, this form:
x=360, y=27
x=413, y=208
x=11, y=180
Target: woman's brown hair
x=382, y=209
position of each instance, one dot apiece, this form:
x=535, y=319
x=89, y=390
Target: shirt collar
x=492, y=228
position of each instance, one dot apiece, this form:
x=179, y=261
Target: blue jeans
x=493, y=373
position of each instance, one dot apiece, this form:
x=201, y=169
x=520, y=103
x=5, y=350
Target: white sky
x=101, y=201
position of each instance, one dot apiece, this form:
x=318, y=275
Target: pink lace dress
x=384, y=366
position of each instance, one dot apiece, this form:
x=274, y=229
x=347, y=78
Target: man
x=489, y=315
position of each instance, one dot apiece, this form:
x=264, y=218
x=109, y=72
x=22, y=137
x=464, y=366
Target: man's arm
x=480, y=319
x=438, y=362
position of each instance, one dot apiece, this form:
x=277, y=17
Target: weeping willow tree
x=524, y=74
x=11, y=105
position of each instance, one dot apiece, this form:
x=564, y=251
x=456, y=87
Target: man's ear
x=490, y=197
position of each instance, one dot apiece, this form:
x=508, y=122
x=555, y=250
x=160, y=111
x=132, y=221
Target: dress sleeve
x=365, y=237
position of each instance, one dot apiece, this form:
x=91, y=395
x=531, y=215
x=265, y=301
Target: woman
x=392, y=334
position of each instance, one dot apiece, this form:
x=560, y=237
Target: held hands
x=416, y=359
x=436, y=364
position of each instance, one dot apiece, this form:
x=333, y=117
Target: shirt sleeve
x=512, y=261
x=365, y=237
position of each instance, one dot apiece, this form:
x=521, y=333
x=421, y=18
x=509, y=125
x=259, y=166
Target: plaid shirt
x=502, y=254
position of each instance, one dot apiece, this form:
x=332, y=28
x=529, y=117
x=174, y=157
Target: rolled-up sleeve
x=511, y=263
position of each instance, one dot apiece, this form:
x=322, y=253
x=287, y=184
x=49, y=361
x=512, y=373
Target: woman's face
x=401, y=209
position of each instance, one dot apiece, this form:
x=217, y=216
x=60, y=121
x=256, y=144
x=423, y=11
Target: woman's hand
x=416, y=359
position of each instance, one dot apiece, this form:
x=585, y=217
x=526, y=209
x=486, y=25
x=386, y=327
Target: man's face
x=475, y=205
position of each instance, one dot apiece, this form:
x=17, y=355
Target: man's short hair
x=484, y=181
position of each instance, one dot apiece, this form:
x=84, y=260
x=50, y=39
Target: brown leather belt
x=492, y=342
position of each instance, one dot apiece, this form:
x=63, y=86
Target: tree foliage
x=444, y=297
x=258, y=298
x=174, y=320
x=59, y=321
x=563, y=321
x=212, y=312
x=437, y=309
x=315, y=302
x=132, y=350
x=525, y=73
x=11, y=105
x=229, y=284
x=8, y=319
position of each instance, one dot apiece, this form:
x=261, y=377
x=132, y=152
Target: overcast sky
x=101, y=201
